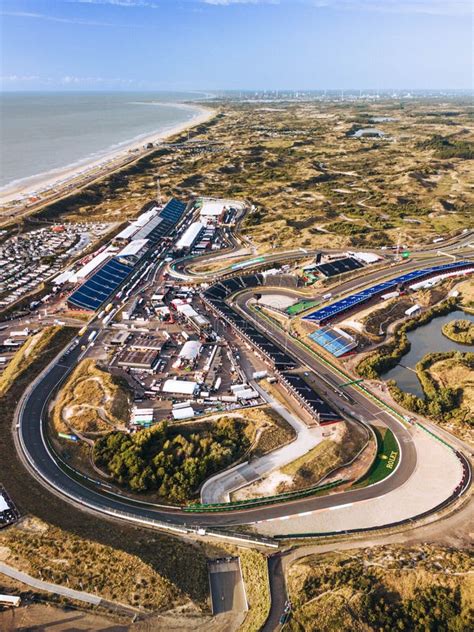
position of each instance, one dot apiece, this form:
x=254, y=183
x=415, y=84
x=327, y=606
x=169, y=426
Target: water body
x=41, y=132
x=426, y=339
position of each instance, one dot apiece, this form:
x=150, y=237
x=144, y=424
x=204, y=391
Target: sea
x=41, y=132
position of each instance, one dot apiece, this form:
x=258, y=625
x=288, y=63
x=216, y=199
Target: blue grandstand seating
x=332, y=341
x=106, y=281
x=173, y=210
x=325, y=314
x=101, y=285
x=162, y=223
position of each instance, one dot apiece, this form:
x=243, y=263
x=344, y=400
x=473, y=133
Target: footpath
x=69, y=593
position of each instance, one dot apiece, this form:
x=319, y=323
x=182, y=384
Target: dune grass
x=28, y=353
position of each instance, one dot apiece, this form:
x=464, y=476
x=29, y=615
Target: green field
x=388, y=454
x=301, y=306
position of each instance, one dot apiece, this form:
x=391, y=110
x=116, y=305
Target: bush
x=172, y=464
x=448, y=148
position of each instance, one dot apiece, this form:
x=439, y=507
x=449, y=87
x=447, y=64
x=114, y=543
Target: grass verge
x=26, y=355
x=386, y=459
x=255, y=574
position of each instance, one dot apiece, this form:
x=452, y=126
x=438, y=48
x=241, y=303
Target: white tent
x=179, y=387
x=190, y=350
x=182, y=413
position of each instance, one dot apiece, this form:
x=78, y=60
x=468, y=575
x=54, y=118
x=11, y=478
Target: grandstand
x=281, y=360
x=102, y=285
x=336, y=341
x=216, y=296
x=327, y=314
x=339, y=266
x=160, y=225
x=310, y=399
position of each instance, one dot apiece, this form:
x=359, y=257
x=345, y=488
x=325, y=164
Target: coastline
x=72, y=176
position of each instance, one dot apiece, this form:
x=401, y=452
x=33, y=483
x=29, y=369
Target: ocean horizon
x=44, y=132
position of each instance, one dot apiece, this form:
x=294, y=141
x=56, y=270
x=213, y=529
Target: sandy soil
x=457, y=375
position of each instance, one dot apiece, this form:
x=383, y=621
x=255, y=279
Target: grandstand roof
x=91, y=265
x=161, y=224
x=190, y=235
x=144, y=218
x=127, y=232
x=148, y=229
x=133, y=248
x=312, y=398
x=339, y=266
x=96, y=290
x=325, y=313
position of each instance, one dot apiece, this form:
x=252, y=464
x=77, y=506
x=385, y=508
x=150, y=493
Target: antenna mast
x=158, y=190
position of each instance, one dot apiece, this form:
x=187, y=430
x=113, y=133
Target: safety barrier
x=258, y=502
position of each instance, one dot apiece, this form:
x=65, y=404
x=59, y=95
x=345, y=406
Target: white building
x=190, y=236
x=180, y=387
x=190, y=351
x=182, y=413
x=414, y=309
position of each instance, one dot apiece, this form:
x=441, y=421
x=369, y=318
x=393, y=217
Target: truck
x=258, y=375
x=389, y=295
x=92, y=336
x=20, y=332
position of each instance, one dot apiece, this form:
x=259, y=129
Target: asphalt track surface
x=33, y=440
x=32, y=419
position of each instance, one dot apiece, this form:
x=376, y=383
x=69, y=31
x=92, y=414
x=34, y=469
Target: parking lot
x=31, y=258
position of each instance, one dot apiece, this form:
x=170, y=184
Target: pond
x=426, y=339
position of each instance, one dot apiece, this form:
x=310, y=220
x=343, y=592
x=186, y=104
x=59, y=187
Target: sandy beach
x=16, y=195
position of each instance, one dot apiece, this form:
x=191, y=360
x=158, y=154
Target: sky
x=235, y=44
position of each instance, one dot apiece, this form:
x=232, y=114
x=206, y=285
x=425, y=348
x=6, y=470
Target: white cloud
x=120, y=3
x=225, y=3
x=15, y=78
x=69, y=80
x=54, y=18
x=432, y=7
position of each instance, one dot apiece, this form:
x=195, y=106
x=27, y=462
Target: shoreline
x=64, y=179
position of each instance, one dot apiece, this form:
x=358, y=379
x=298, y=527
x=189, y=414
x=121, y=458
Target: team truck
x=92, y=336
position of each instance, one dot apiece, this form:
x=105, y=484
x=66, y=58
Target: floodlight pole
x=158, y=190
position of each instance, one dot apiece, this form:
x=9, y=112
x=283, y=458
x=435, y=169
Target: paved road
x=33, y=419
x=227, y=587
x=219, y=487
x=278, y=593
x=63, y=591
